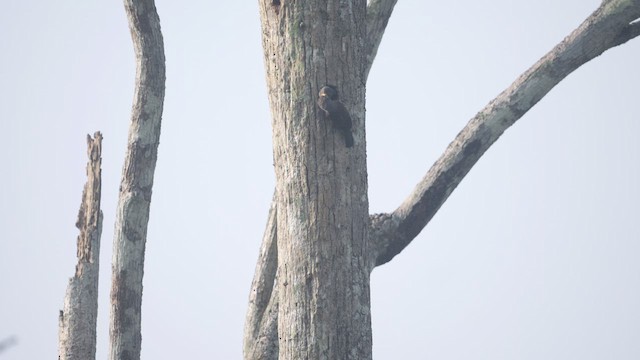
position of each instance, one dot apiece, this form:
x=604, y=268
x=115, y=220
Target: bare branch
x=134, y=200
x=77, y=320
x=261, y=326
x=610, y=25
x=378, y=14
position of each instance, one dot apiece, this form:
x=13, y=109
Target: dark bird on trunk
x=336, y=111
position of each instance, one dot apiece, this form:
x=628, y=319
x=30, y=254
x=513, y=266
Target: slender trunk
x=134, y=200
x=77, y=321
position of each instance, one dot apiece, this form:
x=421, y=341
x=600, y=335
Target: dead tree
x=134, y=199
x=77, y=320
x=310, y=294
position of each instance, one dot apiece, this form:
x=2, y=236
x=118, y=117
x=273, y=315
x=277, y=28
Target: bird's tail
x=348, y=138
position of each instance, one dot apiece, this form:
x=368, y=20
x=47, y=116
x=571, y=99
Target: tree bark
x=77, y=320
x=134, y=199
x=321, y=192
x=261, y=327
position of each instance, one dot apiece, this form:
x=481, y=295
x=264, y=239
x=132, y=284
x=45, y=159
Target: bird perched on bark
x=329, y=103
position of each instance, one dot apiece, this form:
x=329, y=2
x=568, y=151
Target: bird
x=335, y=110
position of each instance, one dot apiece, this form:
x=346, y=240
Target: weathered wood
x=261, y=341
x=298, y=144
x=134, y=199
x=301, y=45
x=322, y=219
x=77, y=320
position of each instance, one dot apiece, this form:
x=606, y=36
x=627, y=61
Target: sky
x=533, y=256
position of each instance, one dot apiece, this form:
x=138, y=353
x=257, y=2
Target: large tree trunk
x=321, y=192
x=134, y=199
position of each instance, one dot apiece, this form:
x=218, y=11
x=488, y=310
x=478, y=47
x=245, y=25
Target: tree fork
x=612, y=24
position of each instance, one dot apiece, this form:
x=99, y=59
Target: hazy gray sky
x=534, y=256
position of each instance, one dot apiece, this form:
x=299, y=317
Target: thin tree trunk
x=134, y=200
x=77, y=320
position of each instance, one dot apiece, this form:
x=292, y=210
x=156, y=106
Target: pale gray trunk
x=134, y=199
x=321, y=192
x=77, y=320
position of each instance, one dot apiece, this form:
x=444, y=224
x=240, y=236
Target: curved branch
x=261, y=325
x=612, y=24
x=378, y=14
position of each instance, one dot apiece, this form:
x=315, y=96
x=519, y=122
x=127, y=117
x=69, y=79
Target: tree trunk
x=321, y=192
x=134, y=199
x=314, y=292
x=77, y=321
